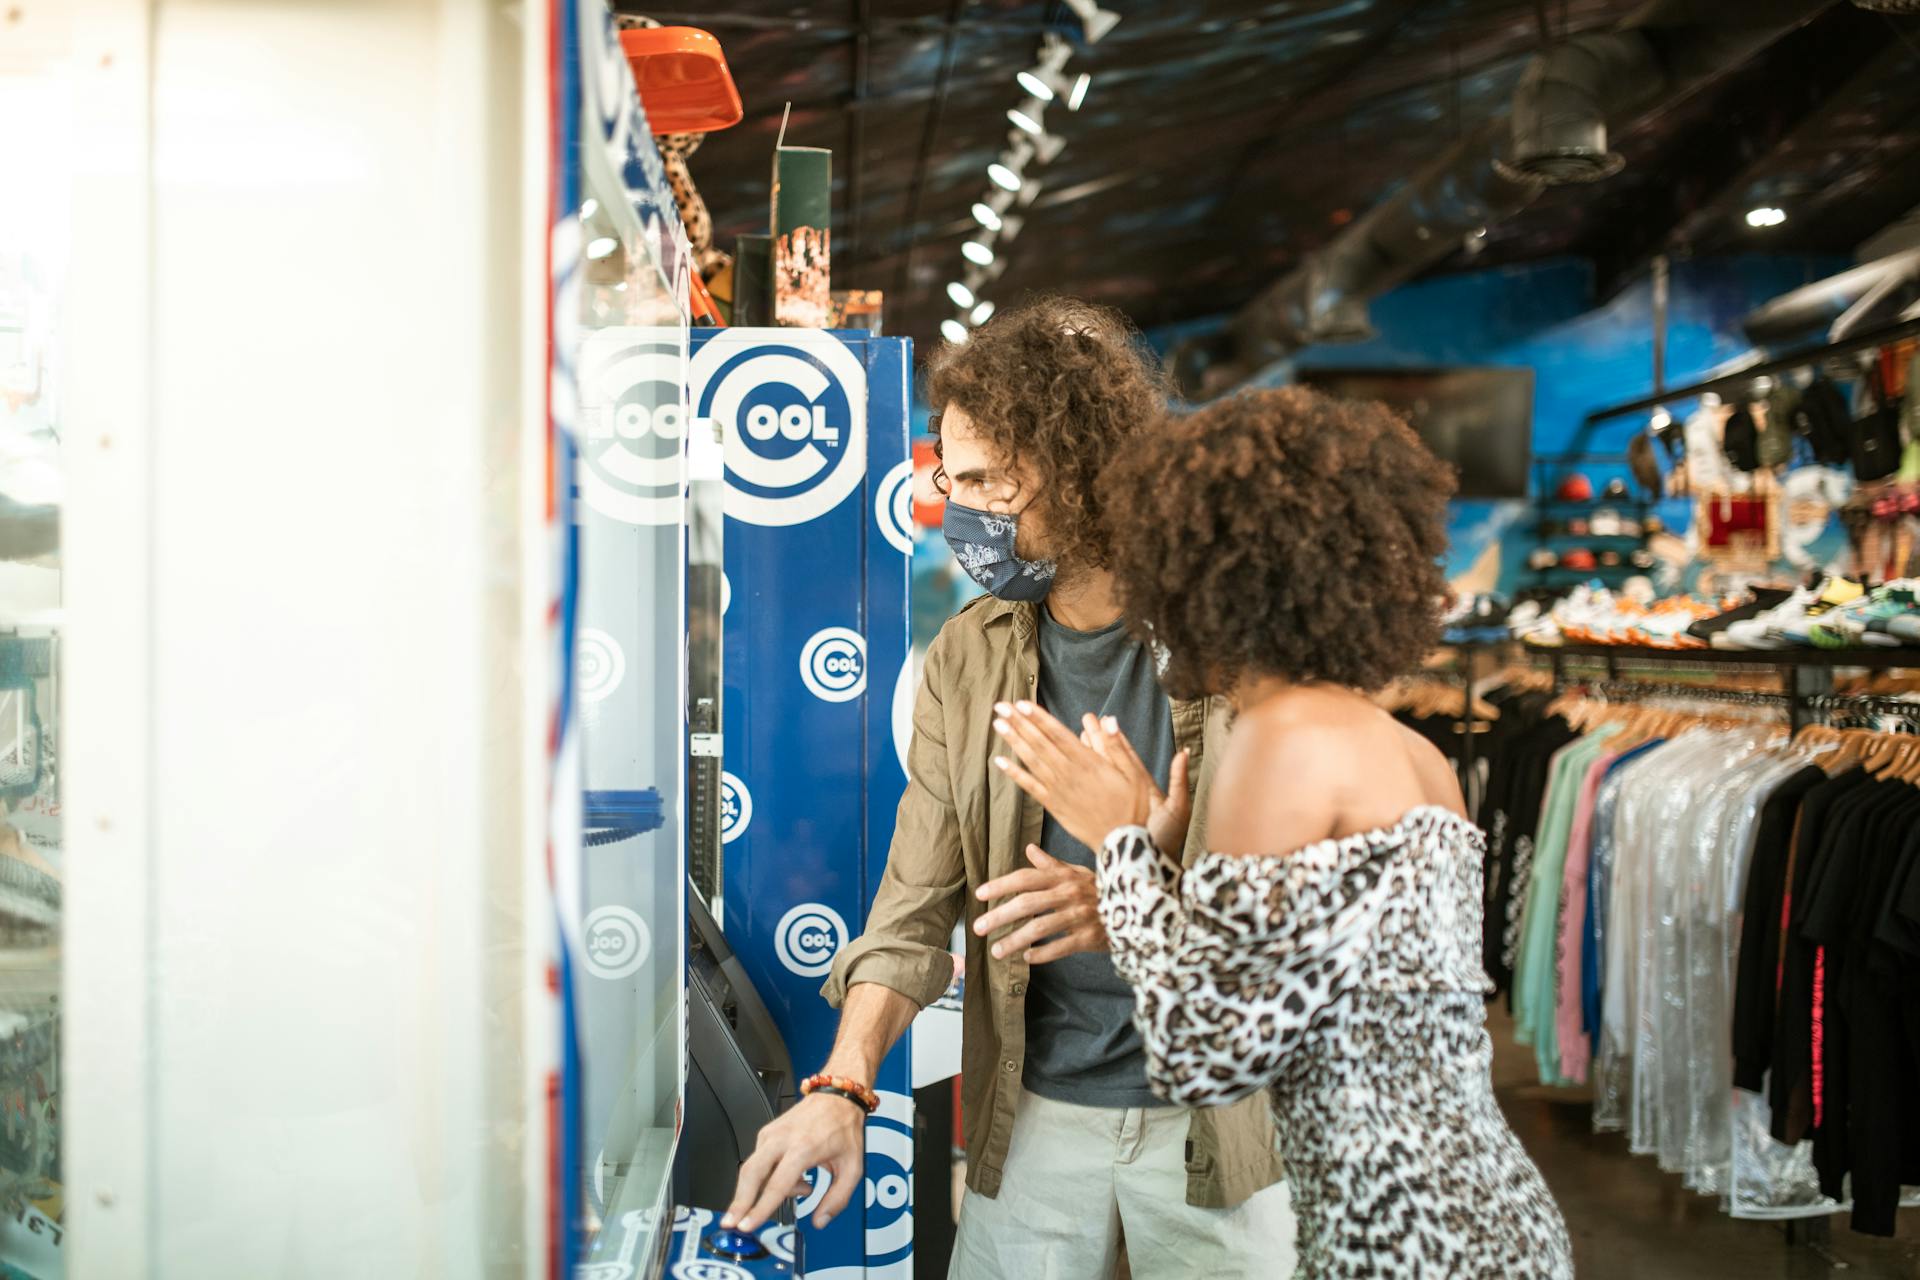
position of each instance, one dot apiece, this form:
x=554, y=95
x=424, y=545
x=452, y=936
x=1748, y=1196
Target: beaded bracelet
x=842, y=1087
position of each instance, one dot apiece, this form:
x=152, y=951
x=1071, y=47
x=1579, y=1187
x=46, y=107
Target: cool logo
x=833, y=664
x=736, y=808
x=792, y=409
x=808, y=938
x=893, y=507
x=889, y=1195
x=633, y=426
x=617, y=941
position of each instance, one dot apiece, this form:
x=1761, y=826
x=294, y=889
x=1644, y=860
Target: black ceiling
x=1220, y=142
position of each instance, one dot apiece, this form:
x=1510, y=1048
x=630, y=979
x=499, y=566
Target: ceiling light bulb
x=986, y=217
x=597, y=249
x=1034, y=85
x=983, y=312
x=1079, y=94
x=1024, y=122
x=953, y=331
x=961, y=295
x=1766, y=216
x=1003, y=177
x=976, y=252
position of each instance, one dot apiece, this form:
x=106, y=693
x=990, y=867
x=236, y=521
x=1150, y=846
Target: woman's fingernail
x=1112, y=725
x=1026, y=708
x=1001, y=726
x=998, y=952
x=1004, y=708
x=726, y=1221
x=1000, y=763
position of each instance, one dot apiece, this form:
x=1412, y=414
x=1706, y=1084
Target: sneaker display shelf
x=1580, y=539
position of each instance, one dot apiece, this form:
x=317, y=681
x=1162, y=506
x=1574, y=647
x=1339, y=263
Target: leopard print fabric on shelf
x=1344, y=978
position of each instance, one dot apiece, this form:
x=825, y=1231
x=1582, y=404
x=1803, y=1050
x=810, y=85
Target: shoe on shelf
x=1757, y=631
x=1868, y=622
x=1764, y=598
x=1797, y=632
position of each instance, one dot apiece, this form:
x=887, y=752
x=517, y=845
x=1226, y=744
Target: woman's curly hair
x=1057, y=384
x=1280, y=533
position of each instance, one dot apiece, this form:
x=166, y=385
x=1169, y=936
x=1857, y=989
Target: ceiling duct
x=1557, y=132
x=1851, y=302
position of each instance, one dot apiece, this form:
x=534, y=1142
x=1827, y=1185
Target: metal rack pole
x=1467, y=653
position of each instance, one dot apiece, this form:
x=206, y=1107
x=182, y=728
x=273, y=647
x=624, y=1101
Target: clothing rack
x=1800, y=671
x=1631, y=690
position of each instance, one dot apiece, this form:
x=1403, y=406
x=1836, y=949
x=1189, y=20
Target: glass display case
x=34, y=97
x=628, y=348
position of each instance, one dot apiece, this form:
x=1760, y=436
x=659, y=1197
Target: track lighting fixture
x=1095, y=22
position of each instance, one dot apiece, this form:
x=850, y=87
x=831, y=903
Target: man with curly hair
x=1073, y=1162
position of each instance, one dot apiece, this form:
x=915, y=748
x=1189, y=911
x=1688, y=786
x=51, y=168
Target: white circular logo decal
x=904, y=690
x=618, y=943
x=893, y=507
x=792, y=410
x=632, y=426
x=808, y=938
x=706, y=1270
x=736, y=808
x=821, y=1180
x=833, y=664
x=599, y=665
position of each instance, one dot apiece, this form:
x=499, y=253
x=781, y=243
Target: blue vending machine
x=818, y=703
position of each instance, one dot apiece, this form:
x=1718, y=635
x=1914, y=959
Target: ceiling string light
x=1029, y=144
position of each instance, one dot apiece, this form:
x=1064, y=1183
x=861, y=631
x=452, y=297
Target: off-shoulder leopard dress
x=1345, y=978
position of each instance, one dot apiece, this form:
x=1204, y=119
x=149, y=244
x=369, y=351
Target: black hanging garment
x=1874, y=443
x=1822, y=419
x=1741, y=442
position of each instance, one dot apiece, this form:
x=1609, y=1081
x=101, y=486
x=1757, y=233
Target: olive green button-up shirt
x=962, y=823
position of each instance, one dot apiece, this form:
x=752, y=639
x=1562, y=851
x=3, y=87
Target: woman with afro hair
x=1280, y=549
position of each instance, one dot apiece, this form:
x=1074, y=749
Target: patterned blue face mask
x=983, y=543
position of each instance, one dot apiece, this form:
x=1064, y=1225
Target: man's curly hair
x=1057, y=384
x=1280, y=533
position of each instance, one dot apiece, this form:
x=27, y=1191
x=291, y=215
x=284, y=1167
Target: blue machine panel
x=700, y=1250
x=818, y=539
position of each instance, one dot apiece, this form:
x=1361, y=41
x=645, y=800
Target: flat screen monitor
x=1479, y=420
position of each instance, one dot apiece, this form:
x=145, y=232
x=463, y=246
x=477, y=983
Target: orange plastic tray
x=683, y=79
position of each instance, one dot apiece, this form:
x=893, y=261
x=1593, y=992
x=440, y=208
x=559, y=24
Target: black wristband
x=838, y=1092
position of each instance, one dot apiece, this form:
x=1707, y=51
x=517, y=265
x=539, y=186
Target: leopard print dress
x=1345, y=978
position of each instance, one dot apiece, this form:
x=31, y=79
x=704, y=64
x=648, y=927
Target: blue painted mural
x=1540, y=316
x=1585, y=357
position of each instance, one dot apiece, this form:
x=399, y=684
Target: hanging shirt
x=1540, y=922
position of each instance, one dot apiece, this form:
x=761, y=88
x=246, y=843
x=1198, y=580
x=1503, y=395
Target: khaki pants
x=1081, y=1180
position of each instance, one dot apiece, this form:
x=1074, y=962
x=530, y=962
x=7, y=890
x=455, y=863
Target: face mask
x=983, y=543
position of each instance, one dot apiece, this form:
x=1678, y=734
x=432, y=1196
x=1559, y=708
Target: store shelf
x=1622, y=654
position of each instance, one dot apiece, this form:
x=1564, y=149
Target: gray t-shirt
x=1081, y=1044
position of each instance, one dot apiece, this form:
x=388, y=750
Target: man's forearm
x=871, y=1021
